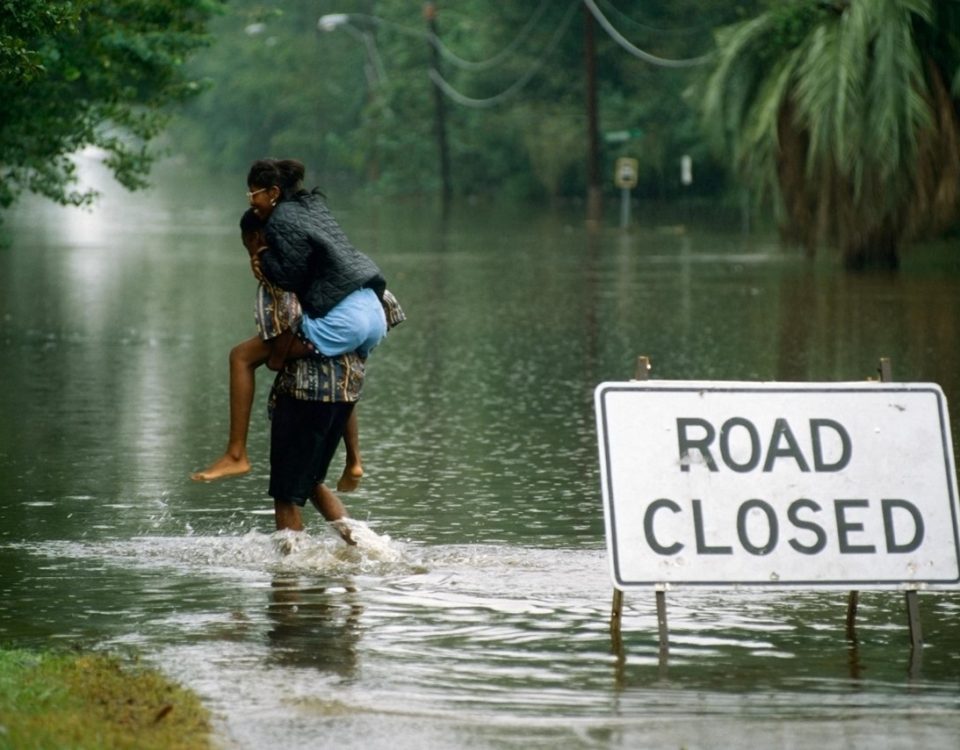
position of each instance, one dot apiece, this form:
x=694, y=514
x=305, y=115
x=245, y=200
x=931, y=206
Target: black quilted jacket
x=310, y=256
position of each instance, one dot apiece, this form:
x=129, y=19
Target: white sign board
x=626, y=172
x=775, y=484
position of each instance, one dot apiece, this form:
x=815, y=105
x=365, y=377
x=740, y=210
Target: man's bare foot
x=350, y=479
x=223, y=467
x=342, y=527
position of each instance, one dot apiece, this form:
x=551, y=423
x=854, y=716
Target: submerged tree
x=89, y=73
x=843, y=111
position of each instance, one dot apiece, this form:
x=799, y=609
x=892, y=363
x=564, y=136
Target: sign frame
x=622, y=580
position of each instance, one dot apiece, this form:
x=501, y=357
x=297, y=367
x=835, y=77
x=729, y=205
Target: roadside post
x=625, y=178
x=686, y=170
x=885, y=372
x=823, y=486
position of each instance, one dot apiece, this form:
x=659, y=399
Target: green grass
x=61, y=701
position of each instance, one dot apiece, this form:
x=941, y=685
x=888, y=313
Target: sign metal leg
x=885, y=370
x=913, y=620
x=616, y=612
x=662, y=630
x=916, y=634
x=853, y=601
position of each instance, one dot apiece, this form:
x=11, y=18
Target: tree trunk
x=877, y=250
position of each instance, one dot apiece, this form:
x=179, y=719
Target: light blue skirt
x=356, y=323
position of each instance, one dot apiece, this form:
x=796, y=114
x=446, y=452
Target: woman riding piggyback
x=308, y=254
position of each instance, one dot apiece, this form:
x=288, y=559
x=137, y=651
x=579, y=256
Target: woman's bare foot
x=223, y=467
x=350, y=479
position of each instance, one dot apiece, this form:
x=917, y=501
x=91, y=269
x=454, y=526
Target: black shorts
x=303, y=440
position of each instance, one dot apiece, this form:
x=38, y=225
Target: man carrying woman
x=342, y=294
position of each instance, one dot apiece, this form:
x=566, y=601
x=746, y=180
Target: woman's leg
x=245, y=358
x=353, y=468
x=285, y=347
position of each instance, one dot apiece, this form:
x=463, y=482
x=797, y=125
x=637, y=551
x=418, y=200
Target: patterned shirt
x=313, y=378
x=392, y=309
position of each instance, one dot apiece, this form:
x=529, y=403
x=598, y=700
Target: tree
x=281, y=86
x=90, y=73
x=842, y=111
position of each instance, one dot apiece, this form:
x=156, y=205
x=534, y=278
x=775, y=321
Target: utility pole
x=440, y=112
x=594, y=193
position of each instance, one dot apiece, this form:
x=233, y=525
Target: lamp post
x=372, y=68
x=594, y=191
x=440, y=111
x=332, y=21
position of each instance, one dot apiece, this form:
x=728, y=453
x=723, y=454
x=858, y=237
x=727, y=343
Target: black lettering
x=655, y=545
x=888, y=506
x=773, y=527
x=816, y=529
x=818, y=460
x=782, y=430
x=686, y=443
x=725, y=430
x=844, y=527
x=702, y=547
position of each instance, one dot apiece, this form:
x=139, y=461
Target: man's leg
x=304, y=436
x=332, y=510
x=245, y=358
x=327, y=504
x=287, y=516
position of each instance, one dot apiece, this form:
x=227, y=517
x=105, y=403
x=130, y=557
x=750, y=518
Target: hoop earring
x=273, y=203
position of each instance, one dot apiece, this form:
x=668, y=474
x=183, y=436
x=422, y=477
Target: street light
x=332, y=20
x=351, y=23
x=376, y=74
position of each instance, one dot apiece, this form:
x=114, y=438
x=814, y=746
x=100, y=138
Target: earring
x=273, y=203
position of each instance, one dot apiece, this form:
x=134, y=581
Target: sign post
x=626, y=179
x=853, y=598
x=815, y=485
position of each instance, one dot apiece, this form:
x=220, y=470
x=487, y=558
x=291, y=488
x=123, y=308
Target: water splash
x=254, y=552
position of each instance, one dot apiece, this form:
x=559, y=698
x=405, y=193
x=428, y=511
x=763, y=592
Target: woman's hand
x=255, y=264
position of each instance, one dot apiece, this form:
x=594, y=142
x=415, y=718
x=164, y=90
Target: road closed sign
x=777, y=484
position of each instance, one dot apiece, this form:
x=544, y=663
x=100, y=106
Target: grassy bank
x=54, y=701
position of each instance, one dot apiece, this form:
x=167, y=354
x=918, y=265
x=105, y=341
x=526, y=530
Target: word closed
x=847, y=484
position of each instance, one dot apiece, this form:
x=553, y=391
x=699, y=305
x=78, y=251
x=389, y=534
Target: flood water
x=479, y=615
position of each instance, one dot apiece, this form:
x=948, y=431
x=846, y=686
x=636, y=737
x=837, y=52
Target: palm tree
x=843, y=112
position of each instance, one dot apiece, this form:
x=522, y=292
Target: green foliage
x=273, y=90
x=280, y=87
x=838, y=111
x=90, y=73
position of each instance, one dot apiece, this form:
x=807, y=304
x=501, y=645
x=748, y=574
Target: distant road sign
x=622, y=136
x=817, y=484
x=686, y=170
x=625, y=173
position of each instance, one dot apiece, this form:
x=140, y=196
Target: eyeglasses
x=251, y=194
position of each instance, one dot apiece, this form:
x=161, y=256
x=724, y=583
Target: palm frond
x=831, y=107
x=730, y=87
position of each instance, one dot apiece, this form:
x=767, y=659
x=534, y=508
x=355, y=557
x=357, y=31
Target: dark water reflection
x=484, y=621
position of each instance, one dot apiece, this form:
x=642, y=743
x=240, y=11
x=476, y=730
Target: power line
x=680, y=30
x=636, y=51
x=513, y=88
x=344, y=19
x=524, y=32
x=452, y=93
